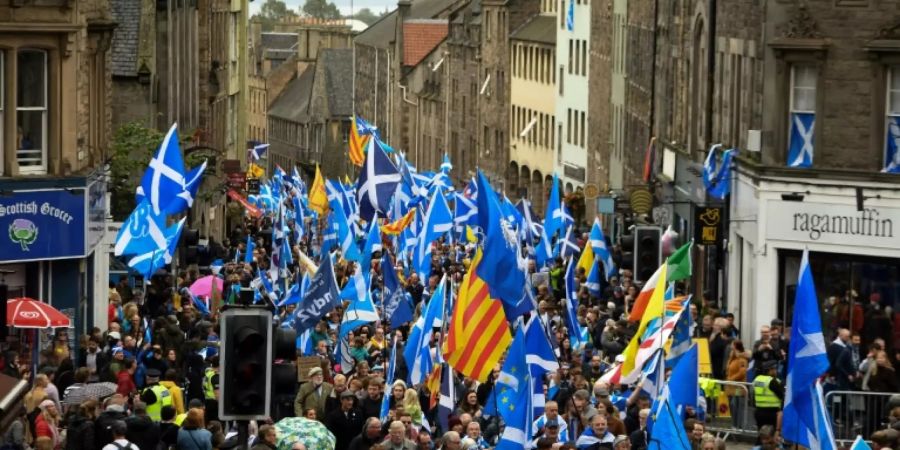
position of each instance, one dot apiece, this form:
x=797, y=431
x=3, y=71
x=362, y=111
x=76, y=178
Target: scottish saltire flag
x=807, y=361
x=361, y=310
x=500, y=267
x=465, y=213
x=185, y=199
x=304, y=343
x=543, y=252
x=568, y=246
x=654, y=375
x=143, y=231
x=438, y=222
x=148, y=263
x=531, y=229
x=717, y=177
x=372, y=244
x=447, y=400
x=860, y=444
x=800, y=149
x=554, y=216
x=681, y=390
x=346, y=236
x=570, y=16
x=668, y=431
x=330, y=234
x=164, y=178
x=202, y=305
x=377, y=182
x=571, y=315
x=892, y=147
x=511, y=214
x=446, y=165
x=389, y=381
x=216, y=266
x=538, y=352
x=681, y=336
x=601, y=250
x=256, y=150
x=418, y=347
x=593, y=280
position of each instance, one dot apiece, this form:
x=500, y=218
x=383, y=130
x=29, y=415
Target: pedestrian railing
x=729, y=410
x=857, y=413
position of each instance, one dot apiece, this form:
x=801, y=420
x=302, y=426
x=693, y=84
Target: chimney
x=403, y=7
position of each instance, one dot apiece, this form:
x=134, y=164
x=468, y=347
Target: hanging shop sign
x=708, y=225
x=38, y=225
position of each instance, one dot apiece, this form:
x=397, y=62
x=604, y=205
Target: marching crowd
x=159, y=358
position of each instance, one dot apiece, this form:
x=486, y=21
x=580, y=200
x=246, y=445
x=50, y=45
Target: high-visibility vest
x=762, y=395
x=163, y=398
x=209, y=390
x=710, y=388
x=179, y=419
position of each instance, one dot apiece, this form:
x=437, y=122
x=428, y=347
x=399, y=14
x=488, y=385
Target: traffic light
x=245, y=366
x=647, y=252
x=284, y=372
x=190, y=240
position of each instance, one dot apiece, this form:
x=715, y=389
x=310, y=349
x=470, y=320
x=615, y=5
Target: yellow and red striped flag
x=394, y=228
x=357, y=144
x=433, y=383
x=478, y=333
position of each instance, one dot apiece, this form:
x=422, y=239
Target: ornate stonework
x=801, y=25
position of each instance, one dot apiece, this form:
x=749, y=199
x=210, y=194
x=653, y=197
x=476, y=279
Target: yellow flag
x=318, y=199
x=586, y=261
x=255, y=171
x=470, y=235
x=655, y=308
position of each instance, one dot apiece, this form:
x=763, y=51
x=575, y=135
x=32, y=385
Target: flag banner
x=800, y=149
x=252, y=209
x=321, y=297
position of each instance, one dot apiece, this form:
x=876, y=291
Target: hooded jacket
x=82, y=427
x=143, y=432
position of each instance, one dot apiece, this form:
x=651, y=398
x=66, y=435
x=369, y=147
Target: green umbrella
x=312, y=433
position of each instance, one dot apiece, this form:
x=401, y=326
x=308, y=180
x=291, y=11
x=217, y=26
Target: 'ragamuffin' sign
x=830, y=223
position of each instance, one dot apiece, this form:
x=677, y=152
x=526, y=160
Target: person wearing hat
x=313, y=394
x=768, y=393
x=118, y=429
x=346, y=422
x=155, y=396
x=551, y=419
x=622, y=442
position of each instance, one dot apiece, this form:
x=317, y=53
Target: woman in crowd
x=46, y=424
x=193, y=435
x=737, y=372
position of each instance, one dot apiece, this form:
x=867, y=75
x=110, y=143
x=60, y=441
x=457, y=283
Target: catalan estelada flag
x=357, y=144
x=318, y=198
x=478, y=333
x=394, y=228
x=433, y=383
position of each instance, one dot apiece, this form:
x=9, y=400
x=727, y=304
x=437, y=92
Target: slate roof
x=337, y=64
x=420, y=37
x=293, y=103
x=124, y=47
x=278, y=41
x=381, y=33
x=541, y=29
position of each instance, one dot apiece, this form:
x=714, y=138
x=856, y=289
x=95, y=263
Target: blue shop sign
x=39, y=225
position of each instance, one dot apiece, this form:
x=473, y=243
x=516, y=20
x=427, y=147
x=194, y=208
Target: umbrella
x=311, y=433
x=204, y=286
x=25, y=312
x=76, y=394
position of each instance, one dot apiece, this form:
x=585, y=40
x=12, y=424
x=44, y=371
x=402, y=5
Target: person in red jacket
x=125, y=379
x=47, y=422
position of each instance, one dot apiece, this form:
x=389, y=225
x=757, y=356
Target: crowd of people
x=160, y=351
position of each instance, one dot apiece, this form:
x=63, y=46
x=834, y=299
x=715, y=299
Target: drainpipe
x=416, y=104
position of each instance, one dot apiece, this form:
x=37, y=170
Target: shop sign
x=708, y=225
x=42, y=225
x=838, y=224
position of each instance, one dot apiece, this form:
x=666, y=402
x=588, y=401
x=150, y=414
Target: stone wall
x=599, y=84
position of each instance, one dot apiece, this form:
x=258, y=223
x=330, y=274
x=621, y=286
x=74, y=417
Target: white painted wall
x=575, y=87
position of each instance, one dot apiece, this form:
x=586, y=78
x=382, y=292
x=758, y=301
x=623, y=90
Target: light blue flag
x=185, y=199
x=538, y=352
x=361, y=310
x=800, y=150
x=512, y=383
x=329, y=234
x=681, y=390
x=389, y=381
x=395, y=300
x=571, y=316
x=418, y=345
x=668, y=433
x=717, y=177
x=438, y=222
x=543, y=252
x=142, y=232
x=553, y=217
x=511, y=214
x=500, y=267
x=681, y=335
x=304, y=343
x=593, y=280
x=465, y=212
x=248, y=252
x=216, y=266
x=377, y=182
x=807, y=361
x=148, y=332
x=570, y=16
x=148, y=263
x=654, y=375
x=446, y=165
x=860, y=444
x=892, y=146
x=372, y=244
x=601, y=250
x=164, y=179
x=346, y=236
x=530, y=228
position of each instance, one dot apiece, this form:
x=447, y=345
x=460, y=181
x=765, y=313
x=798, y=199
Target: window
x=561, y=81
x=569, y=126
x=802, y=115
x=892, y=145
x=583, y=58
x=571, y=53
x=31, y=110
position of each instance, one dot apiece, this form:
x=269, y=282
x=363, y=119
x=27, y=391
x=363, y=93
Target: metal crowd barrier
x=857, y=413
x=731, y=414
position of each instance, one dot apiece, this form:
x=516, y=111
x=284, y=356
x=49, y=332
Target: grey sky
x=376, y=6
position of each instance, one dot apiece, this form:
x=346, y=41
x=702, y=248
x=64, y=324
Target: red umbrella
x=25, y=312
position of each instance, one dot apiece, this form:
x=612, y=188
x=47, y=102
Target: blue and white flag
x=304, y=343
x=438, y=222
x=465, y=213
x=446, y=165
x=148, y=263
x=346, y=234
x=372, y=244
x=418, y=345
x=681, y=390
x=570, y=16
x=668, y=431
x=654, y=375
x=860, y=444
x=389, y=381
x=500, y=268
x=571, y=315
x=447, y=398
x=568, y=246
x=515, y=396
x=361, y=310
x=164, y=179
x=807, y=360
x=892, y=146
x=681, y=335
x=321, y=297
x=531, y=229
x=343, y=356
x=538, y=352
x=593, y=280
x=142, y=232
x=554, y=219
x=330, y=234
x=256, y=150
x=396, y=303
x=800, y=150
x=216, y=266
x=601, y=250
x=717, y=177
x=377, y=182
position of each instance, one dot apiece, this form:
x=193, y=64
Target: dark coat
x=83, y=428
x=362, y=442
x=344, y=426
x=102, y=433
x=143, y=432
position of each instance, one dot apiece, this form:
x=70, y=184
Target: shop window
x=31, y=111
x=802, y=115
x=892, y=142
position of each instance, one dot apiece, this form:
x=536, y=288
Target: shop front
x=854, y=245
x=49, y=230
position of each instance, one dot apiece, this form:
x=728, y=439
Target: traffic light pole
x=243, y=435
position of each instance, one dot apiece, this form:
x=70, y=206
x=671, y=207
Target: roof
x=381, y=33
x=278, y=41
x=337, y=64
x=293, y=103
x=124, y=47
x=541, y=29
x=420, y=37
